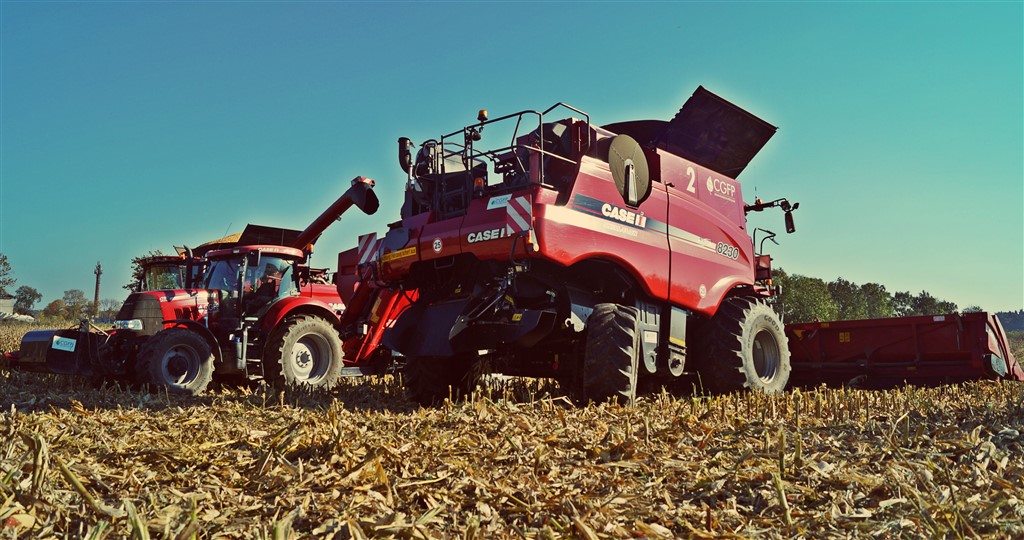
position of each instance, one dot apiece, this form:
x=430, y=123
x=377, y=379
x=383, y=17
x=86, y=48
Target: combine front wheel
x=743, y=347
x=612, y=356
x=177, y=359
x=431, y=380
x=305, y=350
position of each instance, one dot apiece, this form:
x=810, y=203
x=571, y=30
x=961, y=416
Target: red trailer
x=919, y=350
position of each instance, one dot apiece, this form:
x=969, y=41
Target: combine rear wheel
x=743, y=347
x=431, y=380
x=177, y=359
x=612, y=356
x=304, y=350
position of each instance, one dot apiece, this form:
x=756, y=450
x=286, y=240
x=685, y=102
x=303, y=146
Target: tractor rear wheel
x=743, y=347
x=303, y=350
x=177, y=359
x=430, y=380
x=611, y=358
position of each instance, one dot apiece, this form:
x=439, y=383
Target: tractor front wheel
x=304, y=350
x=430, y=380
x=177, y=359
x=612, y=355
x=743, y=347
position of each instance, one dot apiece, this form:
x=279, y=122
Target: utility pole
x=96, y=297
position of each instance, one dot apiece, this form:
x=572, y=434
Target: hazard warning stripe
x=519, y=215
x=368, y=248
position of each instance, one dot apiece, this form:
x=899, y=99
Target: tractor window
x=163, y=277
x=265, y=277
x=223, y=274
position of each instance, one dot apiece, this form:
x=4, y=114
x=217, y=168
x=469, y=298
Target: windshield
x=222, y=274
x=162, y=277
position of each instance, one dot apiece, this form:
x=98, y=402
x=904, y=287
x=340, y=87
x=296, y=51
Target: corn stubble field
x=517, y=461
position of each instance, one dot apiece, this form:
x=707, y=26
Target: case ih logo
x=484, y=236
x=721, y=188
x=624, y=215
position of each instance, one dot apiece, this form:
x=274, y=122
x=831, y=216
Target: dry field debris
x=517, y=461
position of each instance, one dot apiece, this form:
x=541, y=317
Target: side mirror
x=405, y=153
x=790, y=226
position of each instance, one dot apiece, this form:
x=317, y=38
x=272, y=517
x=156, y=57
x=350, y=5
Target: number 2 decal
x=693, y=177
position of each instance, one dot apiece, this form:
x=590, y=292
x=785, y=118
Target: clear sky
x=134, y=126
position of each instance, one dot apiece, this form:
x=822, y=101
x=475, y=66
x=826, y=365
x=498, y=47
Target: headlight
x=133, y=324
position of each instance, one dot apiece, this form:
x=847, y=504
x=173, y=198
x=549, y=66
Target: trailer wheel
x=611, y=358
x=177, y=359
x=430, y=380
x=304, y=350
x=743, y=347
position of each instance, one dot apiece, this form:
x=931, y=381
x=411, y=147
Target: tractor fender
x=202, y=331
x=295, y=305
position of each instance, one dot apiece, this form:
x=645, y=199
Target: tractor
x=608, y=257
x=260, y=312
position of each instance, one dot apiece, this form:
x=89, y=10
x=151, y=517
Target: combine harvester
x=603, y=256
x=261, y=312
x=879, y=353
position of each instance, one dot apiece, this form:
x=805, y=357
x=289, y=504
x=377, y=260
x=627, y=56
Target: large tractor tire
x=611, y=358
x=431, y=380
x=743, y=347
x=304, y=350
x=177, y=359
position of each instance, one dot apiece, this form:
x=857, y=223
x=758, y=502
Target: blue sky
x=136, y=126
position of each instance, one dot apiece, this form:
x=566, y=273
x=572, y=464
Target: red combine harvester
x=597, y=255
x=886, y=352
x=261, y=311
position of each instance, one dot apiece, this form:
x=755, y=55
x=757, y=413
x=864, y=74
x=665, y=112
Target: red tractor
x=260, y=312
x=603, y=256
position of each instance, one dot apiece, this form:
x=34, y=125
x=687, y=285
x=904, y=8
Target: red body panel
x=694, y=267
x=915, y=349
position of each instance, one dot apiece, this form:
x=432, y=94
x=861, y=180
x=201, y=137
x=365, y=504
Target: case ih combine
x=600, y=255
x=260, y=312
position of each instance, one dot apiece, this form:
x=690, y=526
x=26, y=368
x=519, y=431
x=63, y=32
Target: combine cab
x=603, y=256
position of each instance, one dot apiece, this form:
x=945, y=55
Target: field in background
x=517, y=461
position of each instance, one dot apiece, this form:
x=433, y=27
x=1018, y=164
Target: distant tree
x=804, y=299
x=903, y=304
x=109, y=308
x=76, y=306
x=849, y=300
x=877, y=301
x=926, y=304
x=138, y=271
x=1011, y=320
x=24, y=298
x=54, y=310
x=972, y=309
x=6, y=281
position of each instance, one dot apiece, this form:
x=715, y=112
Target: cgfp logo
x=721, y=188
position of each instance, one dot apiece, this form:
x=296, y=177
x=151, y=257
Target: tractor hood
x=707, y=130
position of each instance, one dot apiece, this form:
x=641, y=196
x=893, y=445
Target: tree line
x=808, y=299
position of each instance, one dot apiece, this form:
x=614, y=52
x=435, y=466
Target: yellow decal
x=400, y=254
x=844, y=337
x=516, y=317
x=677, y=341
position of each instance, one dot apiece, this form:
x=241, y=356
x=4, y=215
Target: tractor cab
x=247, y=279
x=168, y=272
